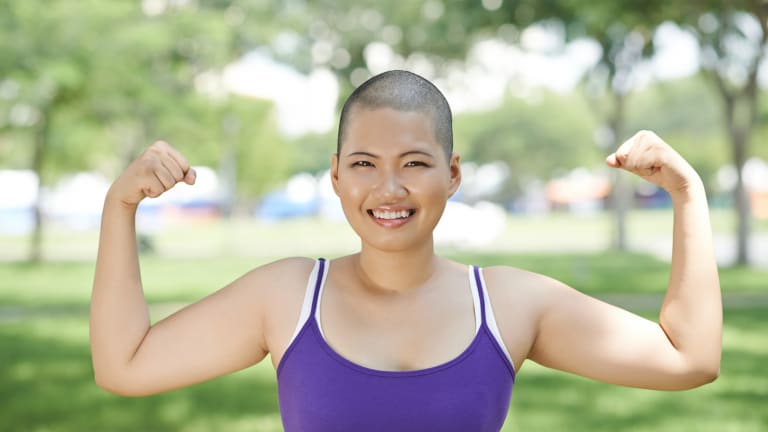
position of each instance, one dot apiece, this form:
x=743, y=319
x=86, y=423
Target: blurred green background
x=250, y=90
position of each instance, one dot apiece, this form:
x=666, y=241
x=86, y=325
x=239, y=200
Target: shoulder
x=511, y=285
x=281, y=276
x=513, y=278
x=272, y=283
x=284, y=270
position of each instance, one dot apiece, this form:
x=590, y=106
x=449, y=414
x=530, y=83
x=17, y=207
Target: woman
x=395, y=337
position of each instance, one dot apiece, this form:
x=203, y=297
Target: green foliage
x=538, y=138
x=262, y=158
x=312, y=152
x=104, y=80
x=687, y=115
x=109, y=79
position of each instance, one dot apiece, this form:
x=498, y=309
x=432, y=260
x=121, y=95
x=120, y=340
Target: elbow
x=702, y=375
x=109, y=383
x=118, y=386
x=710, y=375
x=709, y=371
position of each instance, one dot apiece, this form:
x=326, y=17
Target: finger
x=154, y=189
x=179, y=159
x=173, y=168
x=164, y=176
x=612, y=161
x=190, y=177
x=647, y=161
x=622, y=153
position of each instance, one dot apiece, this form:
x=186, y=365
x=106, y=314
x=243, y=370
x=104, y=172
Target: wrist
x=693, y=190
x=114, y=200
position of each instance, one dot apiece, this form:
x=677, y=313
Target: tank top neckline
x=314, y=325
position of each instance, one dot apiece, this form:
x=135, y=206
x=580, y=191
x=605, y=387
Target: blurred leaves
x=110, y=77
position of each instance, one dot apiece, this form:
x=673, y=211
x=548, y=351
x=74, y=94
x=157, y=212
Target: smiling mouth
x=391, y=215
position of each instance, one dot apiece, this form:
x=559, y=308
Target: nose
x=391, y=187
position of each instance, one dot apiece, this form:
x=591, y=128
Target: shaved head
x=402, y=91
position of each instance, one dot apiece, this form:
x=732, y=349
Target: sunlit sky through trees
x=307, y=103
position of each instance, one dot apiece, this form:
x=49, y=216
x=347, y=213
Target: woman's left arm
x=588, y=337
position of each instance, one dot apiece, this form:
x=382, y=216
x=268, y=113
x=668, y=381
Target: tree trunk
x=740, y=114
x=230, y=128
x=622, y=194
x=739, y=137
x=38, y=160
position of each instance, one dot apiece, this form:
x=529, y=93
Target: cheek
x=429, y=186
x=351, y=189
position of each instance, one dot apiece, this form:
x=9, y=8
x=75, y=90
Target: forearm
x=119, y=315
x=691, y=314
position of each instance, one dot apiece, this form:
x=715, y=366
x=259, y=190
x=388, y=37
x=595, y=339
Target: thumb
x=613, y=161
x=190, y=177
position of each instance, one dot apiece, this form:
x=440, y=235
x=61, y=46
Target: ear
x=455, y=173
x=335, y=173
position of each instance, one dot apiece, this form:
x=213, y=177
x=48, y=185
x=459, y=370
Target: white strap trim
x=475, y=299
x=490, y=320
x=320, y=297
x=306, y=307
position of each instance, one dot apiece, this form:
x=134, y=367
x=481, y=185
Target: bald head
x=402, y=91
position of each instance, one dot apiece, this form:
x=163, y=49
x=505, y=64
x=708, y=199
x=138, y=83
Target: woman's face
x=392, y=177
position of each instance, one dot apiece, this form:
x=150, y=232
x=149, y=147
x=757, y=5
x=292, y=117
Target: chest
x=398, y=336
x=321, y=391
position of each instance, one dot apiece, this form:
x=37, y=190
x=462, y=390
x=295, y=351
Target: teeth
x=402, y=214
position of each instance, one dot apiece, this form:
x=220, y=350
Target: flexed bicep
x=588, y=337
x=222, y=333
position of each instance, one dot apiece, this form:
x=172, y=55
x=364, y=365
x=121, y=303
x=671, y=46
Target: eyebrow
x=402, y=155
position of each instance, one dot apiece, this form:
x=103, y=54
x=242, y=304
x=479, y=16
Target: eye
x=362, y=163
x=416, y=164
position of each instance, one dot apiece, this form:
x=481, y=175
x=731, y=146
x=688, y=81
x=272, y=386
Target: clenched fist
x=648, y=156
x=158, y=169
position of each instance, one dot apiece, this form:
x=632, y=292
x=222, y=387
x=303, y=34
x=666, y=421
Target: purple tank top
x=321, y=391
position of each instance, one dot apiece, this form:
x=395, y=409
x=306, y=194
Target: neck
x=396, y=272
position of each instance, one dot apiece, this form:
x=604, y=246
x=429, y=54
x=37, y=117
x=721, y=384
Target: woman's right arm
x=221, y=333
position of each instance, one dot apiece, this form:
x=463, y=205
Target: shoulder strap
x=319, y=279
x=489, y=318
x=480, y=292
x=310, y=296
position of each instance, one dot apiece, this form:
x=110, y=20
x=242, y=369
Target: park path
x=636, y=302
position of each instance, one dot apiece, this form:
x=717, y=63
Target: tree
x=535, y=139
x=44, y=53
x=106, y=78
x=733, y=38
x=625, y=35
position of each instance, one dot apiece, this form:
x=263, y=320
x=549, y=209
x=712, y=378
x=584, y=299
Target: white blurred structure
x=182, y=201
x=77, y=200
x=482, y=181
x=207, y=189
x=755, y=176
x=465, y=226
x=330, y=206
x=581, y=191
x=18, y=192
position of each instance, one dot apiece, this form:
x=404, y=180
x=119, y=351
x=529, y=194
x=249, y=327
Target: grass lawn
x=46, y=381
x=68, y=283
x=46, y=384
